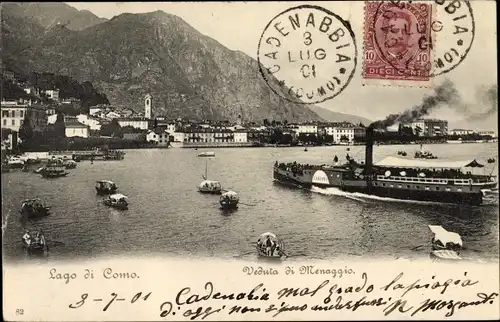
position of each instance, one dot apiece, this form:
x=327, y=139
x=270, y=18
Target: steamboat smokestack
x=369, y=156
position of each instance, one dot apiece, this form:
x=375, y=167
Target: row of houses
x=162, y=130
x=460, y=132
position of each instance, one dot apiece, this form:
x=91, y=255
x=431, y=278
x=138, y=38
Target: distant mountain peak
x=49, y=14
x=187, y=73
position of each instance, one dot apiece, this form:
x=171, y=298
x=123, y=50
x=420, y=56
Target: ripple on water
x=168, y=216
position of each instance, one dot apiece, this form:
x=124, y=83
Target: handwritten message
x=333, y=293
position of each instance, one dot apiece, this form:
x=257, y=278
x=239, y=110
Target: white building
x=31, y=90
x=77, y=129
x=112, y=115
x=430, y=127
x=13, y=116
x=461, y=132
x=95, y=111
x=418, y=127
x=306, y=129
x=135, y=122
x=343, y=132
x=93, y=123
x=491, y=133
x=51, y=119
x=240, y=136
x=179, y=136
x=258, y=128
x=160, y=137
x=53, y=94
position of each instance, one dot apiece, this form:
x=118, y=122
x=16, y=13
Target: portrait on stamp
x=395, y=41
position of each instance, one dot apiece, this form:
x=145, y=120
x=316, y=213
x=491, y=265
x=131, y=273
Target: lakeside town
x=53, y=118
x=38, y=123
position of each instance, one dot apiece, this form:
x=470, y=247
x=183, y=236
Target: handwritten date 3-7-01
x=84, y=298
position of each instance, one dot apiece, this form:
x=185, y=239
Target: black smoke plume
x=446, y=93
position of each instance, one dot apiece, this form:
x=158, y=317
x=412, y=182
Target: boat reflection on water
x=228, y=211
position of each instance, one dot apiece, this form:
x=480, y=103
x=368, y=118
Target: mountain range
x=126, y=57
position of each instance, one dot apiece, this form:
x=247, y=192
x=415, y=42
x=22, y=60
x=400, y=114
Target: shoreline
x=247, y=145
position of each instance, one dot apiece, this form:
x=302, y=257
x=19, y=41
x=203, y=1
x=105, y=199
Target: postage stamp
x=307, y=54
x=396, y=41
x=408, y=43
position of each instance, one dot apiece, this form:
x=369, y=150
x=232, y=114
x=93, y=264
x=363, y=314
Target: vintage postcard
x=189, y=161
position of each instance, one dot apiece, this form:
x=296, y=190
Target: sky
x=239, y=25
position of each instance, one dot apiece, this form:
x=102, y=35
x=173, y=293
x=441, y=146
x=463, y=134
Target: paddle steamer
x=392, y=177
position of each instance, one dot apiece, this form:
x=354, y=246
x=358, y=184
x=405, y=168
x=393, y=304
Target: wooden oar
x=244, y=254
x=417, y=247
x=55, y=242
x=247, y=204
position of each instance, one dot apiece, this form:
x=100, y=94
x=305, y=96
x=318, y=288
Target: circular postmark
x=431, y=37
x=307, y=54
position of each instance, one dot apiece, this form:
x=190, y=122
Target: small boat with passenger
x=118, y=201
x=15, y=163
x=491, y=160
x=270, y=246
x=104, y=187
x=446, y=245
x=54, y=172
x=34, y=241
x=70, y=164
x=423, y=154
x=34, y=208
x=229, y=200
x=209, y=186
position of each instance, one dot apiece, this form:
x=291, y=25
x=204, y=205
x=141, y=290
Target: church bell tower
x=148, y=103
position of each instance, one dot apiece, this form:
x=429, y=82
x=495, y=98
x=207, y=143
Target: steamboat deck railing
x=437, y=180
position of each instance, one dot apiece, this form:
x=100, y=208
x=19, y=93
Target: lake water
x=168, y=216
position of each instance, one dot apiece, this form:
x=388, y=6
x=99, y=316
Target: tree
x=59, y=126
x=312, y=138
x=266, y=122
x=6, y=133
x=276, y=136
x=26, y=132
x=344, y=138
x=112, y=129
